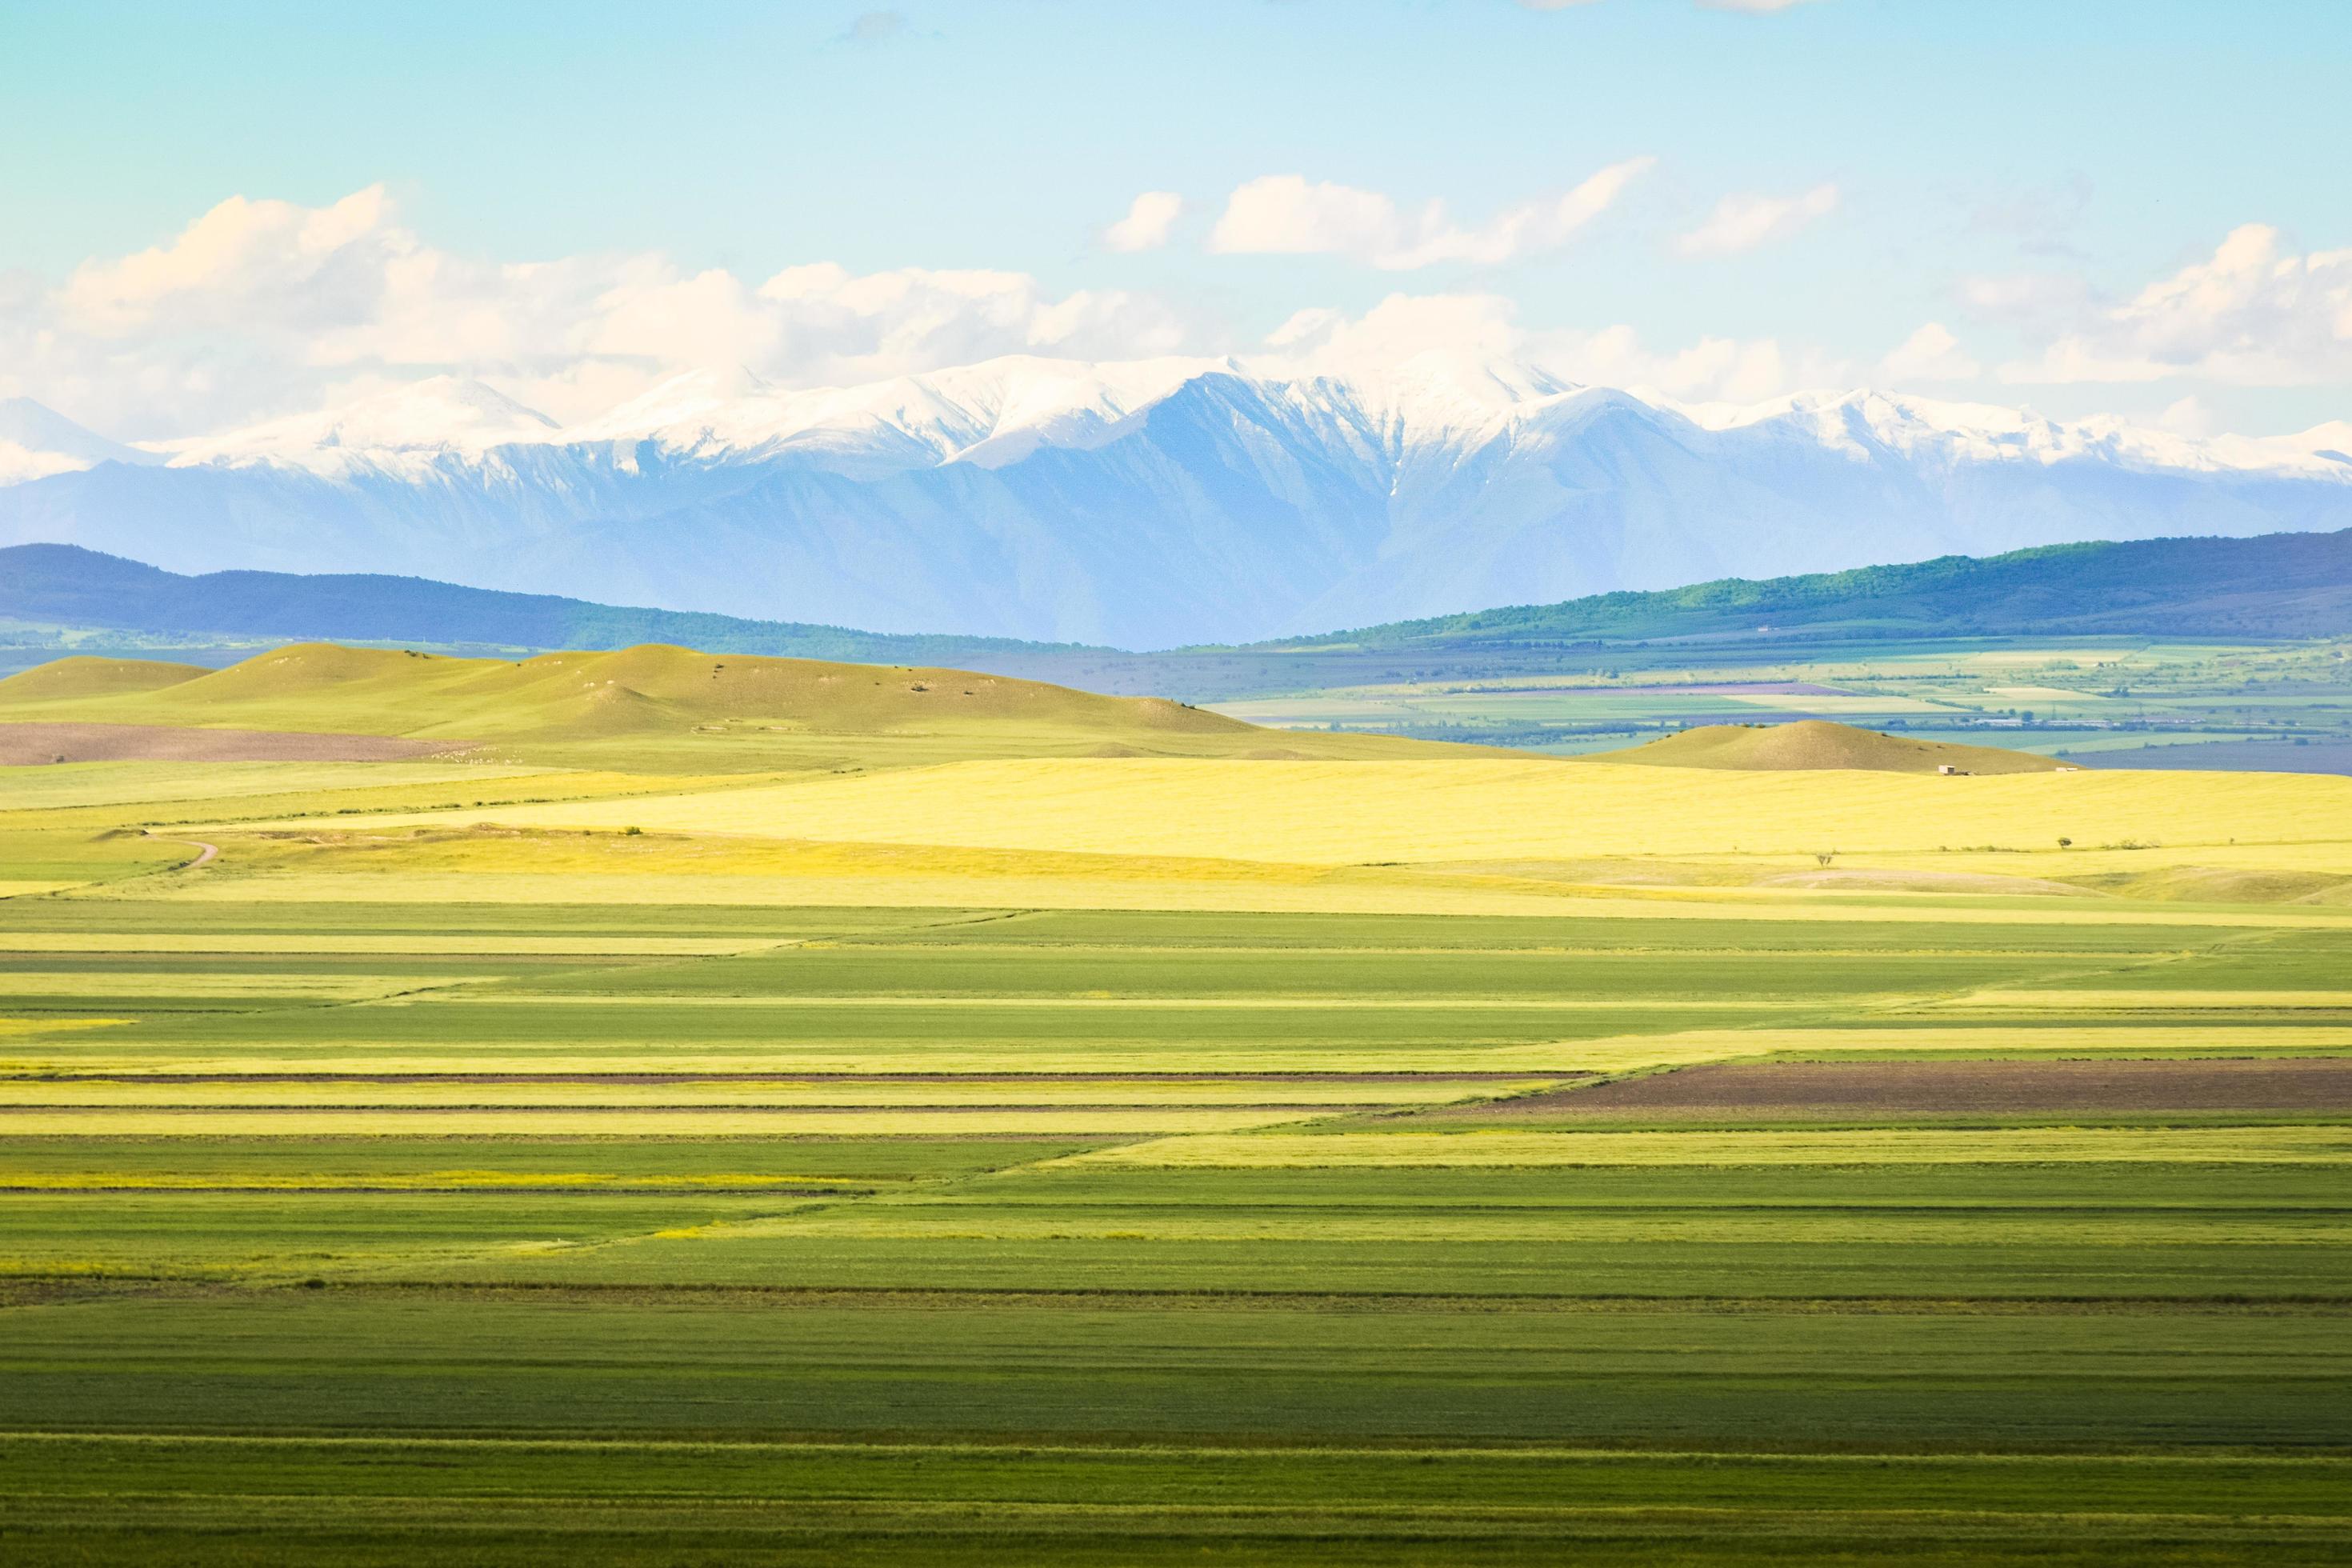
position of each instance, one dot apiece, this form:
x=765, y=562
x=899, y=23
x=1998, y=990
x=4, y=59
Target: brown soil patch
x=25, y=744
x=1802, y=1091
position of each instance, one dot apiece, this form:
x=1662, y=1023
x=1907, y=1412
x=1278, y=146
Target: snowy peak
x=441, y=415
x=36, y=441
x=988, y=413
x=1003, y=410
x=1440, y=393
x=1862, y=423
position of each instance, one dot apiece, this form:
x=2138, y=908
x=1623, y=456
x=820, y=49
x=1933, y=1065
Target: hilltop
x=82, y=678
x=712, y=710
x=1816, y=743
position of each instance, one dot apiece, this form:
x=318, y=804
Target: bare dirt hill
x=1816, y=743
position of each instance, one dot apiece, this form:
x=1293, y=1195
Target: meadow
x=1005, y=1152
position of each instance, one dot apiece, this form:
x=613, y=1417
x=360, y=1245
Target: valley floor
x=1134, y=1168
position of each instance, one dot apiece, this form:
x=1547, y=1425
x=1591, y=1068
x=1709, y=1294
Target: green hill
x=651, y=702
x=80, y=679
x=1816, y=743
x=2276, y=585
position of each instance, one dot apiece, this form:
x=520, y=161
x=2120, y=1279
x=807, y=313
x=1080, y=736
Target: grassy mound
x=1816, y=743
x=80, y=677
x=668, y=699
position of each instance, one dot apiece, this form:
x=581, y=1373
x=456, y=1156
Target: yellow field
x=76, y=785
x=2034, y=1038
x=1353, y=813
x=420, y=944
x=575, y=1122
x=339, y=987
x=2160, y=1001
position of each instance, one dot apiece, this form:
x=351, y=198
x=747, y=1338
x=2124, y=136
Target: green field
x=1035, y=1158
x=2098, y=700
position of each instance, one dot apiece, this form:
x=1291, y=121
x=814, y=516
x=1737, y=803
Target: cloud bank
x=2255, y=314
x=262, y=309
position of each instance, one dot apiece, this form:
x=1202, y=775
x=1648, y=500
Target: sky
x=213, y=215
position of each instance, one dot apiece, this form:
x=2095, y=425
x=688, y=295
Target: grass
x=1017, y=1160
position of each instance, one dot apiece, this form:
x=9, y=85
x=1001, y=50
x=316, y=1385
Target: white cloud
x=1286, y=215
x=2188, y=416
x=1150, y=219
x=1466, y=330
x=2253, y=315
x=238, y=252
x=1712, y=369
x=1931, y=353
x=1743, y=222
x=265, y=308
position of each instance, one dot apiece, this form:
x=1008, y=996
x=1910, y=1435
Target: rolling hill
x=653, y=702
x=1814, y=744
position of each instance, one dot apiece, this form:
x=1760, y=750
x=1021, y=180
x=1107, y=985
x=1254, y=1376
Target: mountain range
x=2276, y=586
x=1141, y=504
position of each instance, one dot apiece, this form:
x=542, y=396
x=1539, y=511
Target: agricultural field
x=806, y=1136
x=2134, y=703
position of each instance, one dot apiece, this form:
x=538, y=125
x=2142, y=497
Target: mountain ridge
x=2279, y=587
x=1155, y=503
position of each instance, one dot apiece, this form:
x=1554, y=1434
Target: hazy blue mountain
x=1150, y=504
x=2282, y=585
x=66, y=585
x=2275, y=586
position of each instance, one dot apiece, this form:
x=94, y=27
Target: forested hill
x=63, y=585
x=2276, y=585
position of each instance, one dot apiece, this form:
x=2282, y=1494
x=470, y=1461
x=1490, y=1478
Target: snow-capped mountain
x=36, y=442
x=1143, y=504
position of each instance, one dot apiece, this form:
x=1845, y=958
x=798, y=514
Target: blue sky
x=1801, y=193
